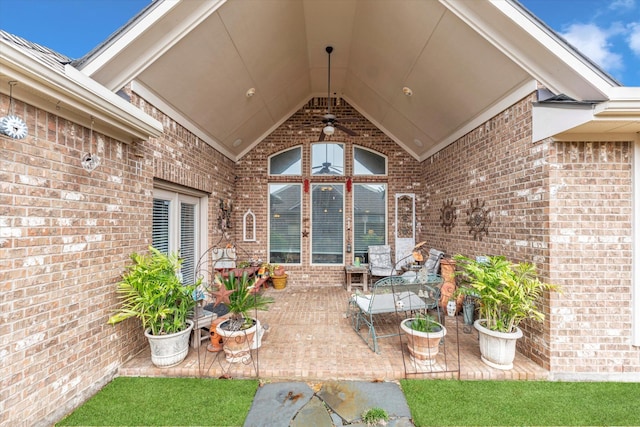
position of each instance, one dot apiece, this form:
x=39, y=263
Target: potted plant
x=240, y=332
x=508, y=293
x=424, y=335
x=151, y=290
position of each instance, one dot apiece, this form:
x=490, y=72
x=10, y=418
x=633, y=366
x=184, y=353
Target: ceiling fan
x=330, y=121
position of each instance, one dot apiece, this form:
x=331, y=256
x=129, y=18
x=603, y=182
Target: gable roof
x=463, y=61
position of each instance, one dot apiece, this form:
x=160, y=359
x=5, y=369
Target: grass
x=212, y=402
x=129, y=401
x=509, y=403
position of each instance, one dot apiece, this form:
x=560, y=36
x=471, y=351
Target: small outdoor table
x=363, y=270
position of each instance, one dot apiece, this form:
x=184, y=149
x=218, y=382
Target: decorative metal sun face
x=478, y=220
x=448, y=215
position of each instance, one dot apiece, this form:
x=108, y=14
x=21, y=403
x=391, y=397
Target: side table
x=363, y=270
x=201, y=328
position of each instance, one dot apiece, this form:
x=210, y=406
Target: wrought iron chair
x=391, y=295
x=380, y=264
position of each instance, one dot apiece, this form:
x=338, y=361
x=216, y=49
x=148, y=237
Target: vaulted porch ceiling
x=464, y=61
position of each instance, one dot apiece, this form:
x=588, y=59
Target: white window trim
x=344, y=221
x=176, y=194
x=269, y=221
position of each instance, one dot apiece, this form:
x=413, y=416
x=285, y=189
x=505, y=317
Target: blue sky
x=607, y=31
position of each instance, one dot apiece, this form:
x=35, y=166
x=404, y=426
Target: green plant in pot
x=424, y=335
x=508, y=293
x=151, y=290
x=241, y=332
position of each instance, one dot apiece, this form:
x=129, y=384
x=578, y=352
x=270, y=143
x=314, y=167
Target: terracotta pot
x=279, y=282
x=423, y=346
x=237, y=345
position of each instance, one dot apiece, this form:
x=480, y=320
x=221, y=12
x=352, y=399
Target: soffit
x=202, y=72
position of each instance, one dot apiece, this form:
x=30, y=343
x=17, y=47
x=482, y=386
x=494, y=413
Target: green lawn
x=212, y=402
x=517, y=403
x=141, y=401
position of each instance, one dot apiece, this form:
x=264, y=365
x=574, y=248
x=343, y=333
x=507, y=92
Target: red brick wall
x=65, y=238
x=565, y=206
x=591, y=247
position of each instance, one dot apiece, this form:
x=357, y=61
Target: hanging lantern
x=306, y=185
x=349, y=184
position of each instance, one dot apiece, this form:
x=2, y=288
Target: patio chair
x=391, y=295
x=431, y=266
x=380, y=264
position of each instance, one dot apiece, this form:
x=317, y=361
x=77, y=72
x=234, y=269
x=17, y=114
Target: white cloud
x=634, y=39
x=622, y=4
x=592, y=41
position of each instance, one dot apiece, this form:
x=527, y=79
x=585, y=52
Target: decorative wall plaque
x=448, y=215
x=478, y=220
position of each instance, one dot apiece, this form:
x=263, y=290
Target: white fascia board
x=137, y=37
x=622, y=101
x=76, y=93
x=543, y=47
x=133, y=32
x=551, y=119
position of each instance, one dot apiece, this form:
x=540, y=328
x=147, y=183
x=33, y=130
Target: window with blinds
x=284, y=223
x=327, y=223
x=369, y=216
x=188, y=242
x=160, y=230
x=176, y=228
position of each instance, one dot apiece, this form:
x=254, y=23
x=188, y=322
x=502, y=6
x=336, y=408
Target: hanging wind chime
x=90, y=160
x=12, y=125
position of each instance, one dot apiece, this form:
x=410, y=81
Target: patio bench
x=393, y=294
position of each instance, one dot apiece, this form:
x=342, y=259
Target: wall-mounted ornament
x=478, y=220
x=224, y=215
x=249, y=227
x=448, y=215
x=90, y=161
x=12, y=125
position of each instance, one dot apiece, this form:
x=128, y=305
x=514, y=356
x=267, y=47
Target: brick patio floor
x=309, y=338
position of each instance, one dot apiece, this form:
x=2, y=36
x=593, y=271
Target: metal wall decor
x=12, y=125
x=448, y=215
x=478, y=220
x=224, y=214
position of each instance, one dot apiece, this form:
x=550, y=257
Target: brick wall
x=565, y=206
x=591, y=247
x=65, y=239
x=303, y=129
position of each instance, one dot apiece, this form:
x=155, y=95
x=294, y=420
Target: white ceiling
x=197, y=59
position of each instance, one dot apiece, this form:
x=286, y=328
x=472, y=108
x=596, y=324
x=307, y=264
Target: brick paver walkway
x=309, y=338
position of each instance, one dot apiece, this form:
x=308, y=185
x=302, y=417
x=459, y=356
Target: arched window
x=288, y=162
x=367, y=162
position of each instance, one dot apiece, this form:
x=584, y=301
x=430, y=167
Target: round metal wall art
x=13, y=126
x=448, y=215
x=478, y=220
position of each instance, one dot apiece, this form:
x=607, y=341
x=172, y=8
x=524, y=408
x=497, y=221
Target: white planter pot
x=169, y=350
x=237, y=345
x=423, y=346
x=497, y=349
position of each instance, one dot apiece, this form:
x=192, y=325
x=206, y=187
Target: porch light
x=329, y=130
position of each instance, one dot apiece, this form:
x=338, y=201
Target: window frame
x=270, y=219
x=312, y=234
x=177, y=195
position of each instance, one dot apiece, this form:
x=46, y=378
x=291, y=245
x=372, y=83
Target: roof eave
x=74, y=96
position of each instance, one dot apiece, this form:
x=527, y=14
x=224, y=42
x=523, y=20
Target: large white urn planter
x=171, y=349
x=497, y=349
